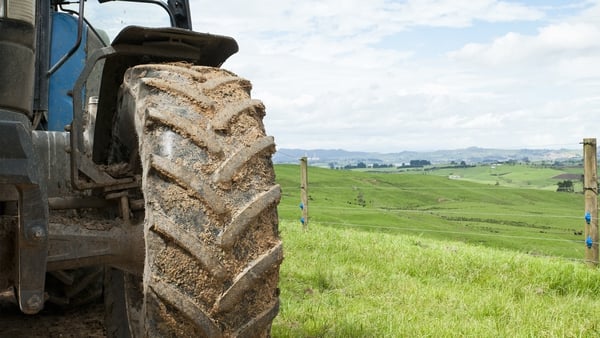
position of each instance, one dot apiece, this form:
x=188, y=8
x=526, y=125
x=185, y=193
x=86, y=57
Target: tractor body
x=59, y=79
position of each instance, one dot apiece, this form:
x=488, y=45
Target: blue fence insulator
x=589, y=242
x=301, y=206
x=302, y=220
x=588, y=217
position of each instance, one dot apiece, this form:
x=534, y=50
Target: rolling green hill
x=432, y=206
x=516, y=176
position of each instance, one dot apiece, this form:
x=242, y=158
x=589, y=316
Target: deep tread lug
x=221, y=122
x=165, y=226
x=247, y=214
x=188, y=180
x=248, y=277
x=180, y=301
x=231, y=166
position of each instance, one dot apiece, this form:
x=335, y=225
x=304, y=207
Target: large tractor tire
x=211, y=229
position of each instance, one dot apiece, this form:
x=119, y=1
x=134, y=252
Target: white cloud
x=452, y=13
x=327, y=81
x=552, y=43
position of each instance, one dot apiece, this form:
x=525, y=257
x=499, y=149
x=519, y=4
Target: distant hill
x=471, y=155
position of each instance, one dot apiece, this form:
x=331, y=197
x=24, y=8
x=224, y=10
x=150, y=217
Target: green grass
x=405, y=255
x=516, y=176
x=527, y=220
x=340, y=282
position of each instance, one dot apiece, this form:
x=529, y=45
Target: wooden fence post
x=304, y=191
x=590, y=191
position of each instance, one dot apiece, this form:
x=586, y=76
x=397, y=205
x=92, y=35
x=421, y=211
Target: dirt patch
x=575, y=177
x=86, y=321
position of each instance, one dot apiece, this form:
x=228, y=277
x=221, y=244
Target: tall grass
x=340, y=282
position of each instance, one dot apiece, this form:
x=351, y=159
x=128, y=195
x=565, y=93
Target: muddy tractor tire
x=211, y=229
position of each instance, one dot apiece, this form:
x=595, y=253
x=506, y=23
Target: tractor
x=135, y=171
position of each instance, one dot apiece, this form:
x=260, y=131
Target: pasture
x=434, y=207
x=390, y=255
x=515, y=176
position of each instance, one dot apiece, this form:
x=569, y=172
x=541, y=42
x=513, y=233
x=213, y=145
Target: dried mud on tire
x=212, y=244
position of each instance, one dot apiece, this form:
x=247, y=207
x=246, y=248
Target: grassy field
x=435, y=207
x=516, y=176
x=530, y=176
x=340, y=282
x=390, y=255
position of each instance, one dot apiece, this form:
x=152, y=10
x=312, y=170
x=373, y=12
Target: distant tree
x=361, y=165
x=419, y=163
x=565, y=186
x=360, y=199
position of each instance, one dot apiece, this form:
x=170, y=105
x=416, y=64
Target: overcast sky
x=388, y=76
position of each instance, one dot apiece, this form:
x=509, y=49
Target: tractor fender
x=140, y=45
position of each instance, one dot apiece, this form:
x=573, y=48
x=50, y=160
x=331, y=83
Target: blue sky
x=389, y=76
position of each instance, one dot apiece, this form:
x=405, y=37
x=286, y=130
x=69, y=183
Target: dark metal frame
x=178, y=10
x=18, y=167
